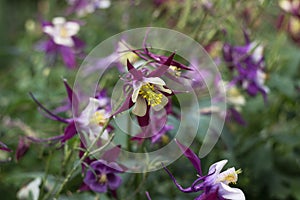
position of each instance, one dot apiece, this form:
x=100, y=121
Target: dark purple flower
x=248, y=63
x=101, y=176
x=62, y=40
x=3, y=147
x=215, y=184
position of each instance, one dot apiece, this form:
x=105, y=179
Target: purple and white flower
x=62, y=40
x=248, y=62
x=101, y=176
x=214, y=185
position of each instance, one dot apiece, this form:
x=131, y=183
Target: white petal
x=58, y=20
x=140, y=107
x=155, y=80
x=231, y=193
x=286, y=5
x=136, y=89
x=63, y=41
x=32, y=188
x=161, y=88
x=217, y=167
x=89, y=111
x=104, y=4
x=72, y=28
x=50, y=30
x=164, y=102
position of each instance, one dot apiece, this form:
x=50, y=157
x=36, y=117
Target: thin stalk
x=85, y=155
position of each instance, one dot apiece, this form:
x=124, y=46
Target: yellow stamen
x=98, y=118
x=176, y=70
x=63, y=32
x=147, y=91
x=165, y=139
x=231, y=177
x=102, y=178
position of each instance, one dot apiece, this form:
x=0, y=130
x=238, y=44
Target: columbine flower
x=102, y=176
x=4, y=147
x=146, y=90
x=84, y=7
x=62, y=40
x=92, y=119
x=248, y=62
x=215, y=185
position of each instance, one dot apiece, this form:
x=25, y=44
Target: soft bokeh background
x=267, y=148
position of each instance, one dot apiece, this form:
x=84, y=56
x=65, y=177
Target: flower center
x=147, y=91
x=102, y=178
x=176, y=70
x=165, y=139
x=98, y=118
x=63, y=32
x=230, y=176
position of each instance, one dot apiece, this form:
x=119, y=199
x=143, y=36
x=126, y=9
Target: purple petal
x=72, y=98
x=144, y=121
x=148, y=195
x=191, y=156
x=185, y=190
x=137, y=75
x=53, y=116
x=70, y=131
x=162, y=69
x=22, y=148
x=114, y=181
x=112, y=154
x=97, y=187
x=68, y=56
x=4, y=147
x=126, y=105
x=79, y=44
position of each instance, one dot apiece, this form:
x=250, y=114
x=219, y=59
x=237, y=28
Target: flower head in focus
x=62, y=40
x=214, y=185
x=145, y=90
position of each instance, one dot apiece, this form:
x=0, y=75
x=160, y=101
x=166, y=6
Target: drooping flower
x=214, y=185
x=101, y=176
x=85, y=7
x=248, y=62
x=22, y=148
x=62, y=40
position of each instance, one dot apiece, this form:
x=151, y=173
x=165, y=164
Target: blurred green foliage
x=267, y=148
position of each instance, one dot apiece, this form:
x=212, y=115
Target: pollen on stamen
x=147, y=91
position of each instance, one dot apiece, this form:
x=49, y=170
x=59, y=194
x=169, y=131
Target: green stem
x=85, y=155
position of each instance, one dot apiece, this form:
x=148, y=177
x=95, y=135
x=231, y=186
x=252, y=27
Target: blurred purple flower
x=3, y=147
x=248, y=62
x=62, y=40
x=215, y=184
x=84, y=7
x=101, y=176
